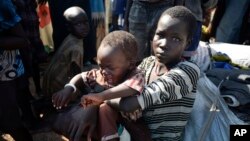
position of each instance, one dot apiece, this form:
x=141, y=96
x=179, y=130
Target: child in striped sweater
x=171, y=79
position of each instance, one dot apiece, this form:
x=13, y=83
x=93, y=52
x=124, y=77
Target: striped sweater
x=167, y=101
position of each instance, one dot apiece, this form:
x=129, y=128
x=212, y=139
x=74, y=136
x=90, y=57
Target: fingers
x=58, y=102
x=62, y=102
x=54, y=99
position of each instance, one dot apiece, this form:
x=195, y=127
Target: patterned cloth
x=11, y=65
x=108, y=130
x=167, y=101
x=59, y=70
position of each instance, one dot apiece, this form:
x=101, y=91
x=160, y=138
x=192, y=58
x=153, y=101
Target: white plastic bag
x=211, y=118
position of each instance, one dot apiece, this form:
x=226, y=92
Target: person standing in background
x=229, y=27
x=57, y=8
x=12, y=38
x=140, y=20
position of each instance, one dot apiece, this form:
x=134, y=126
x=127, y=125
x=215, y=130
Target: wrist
x=71, y=86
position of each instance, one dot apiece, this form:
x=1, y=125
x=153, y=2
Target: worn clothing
x=11, y=65
x=108, y=130
x=57, y=9
x=135, y=80
x=30, y=22
x=8, y=16
x=11, y=74
x=59, y=70
x=167, y=101
x=9, y=112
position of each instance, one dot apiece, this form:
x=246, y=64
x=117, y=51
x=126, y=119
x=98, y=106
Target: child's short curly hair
x=124, y=41
x=183, y=13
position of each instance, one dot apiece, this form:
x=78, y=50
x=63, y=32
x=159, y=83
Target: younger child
x=116, y=58
x=68, y=60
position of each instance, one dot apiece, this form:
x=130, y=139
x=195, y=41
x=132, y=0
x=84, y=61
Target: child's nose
x=162, y=42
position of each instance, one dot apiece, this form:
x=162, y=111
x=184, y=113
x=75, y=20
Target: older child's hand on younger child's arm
x=61, y=98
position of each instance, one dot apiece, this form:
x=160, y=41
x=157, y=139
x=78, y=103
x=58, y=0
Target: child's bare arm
x=126, y=104
x=112, y=93
x=64, y=96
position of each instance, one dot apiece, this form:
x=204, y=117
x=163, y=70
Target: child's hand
x=61, y=98
x=91, y=99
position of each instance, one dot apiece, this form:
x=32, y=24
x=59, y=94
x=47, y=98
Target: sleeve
x=8, y=15
x=77, y=56
x=136, y=82
x=177, y=83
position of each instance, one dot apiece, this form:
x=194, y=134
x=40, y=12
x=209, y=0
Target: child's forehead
x=108, y=49
x=167, y=22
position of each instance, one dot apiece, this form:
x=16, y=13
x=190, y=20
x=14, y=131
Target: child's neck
x=160, y=69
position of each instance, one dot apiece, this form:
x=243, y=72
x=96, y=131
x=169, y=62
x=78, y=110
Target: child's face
x=113, y=65
x=79, y=26
x=170, y=39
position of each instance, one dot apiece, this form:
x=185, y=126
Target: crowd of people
x=140, y=76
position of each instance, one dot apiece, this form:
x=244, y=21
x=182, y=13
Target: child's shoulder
x=189, y=67
x=146, y=63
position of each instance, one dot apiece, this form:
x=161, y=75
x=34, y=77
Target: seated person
x=116, y=58
x=168, y=97
x=68, y=60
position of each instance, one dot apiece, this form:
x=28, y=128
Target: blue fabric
x=97, y=6
x=119, y=7
x=8, y=15
x=229, y=27
x=190, y=51
x=223, y=65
